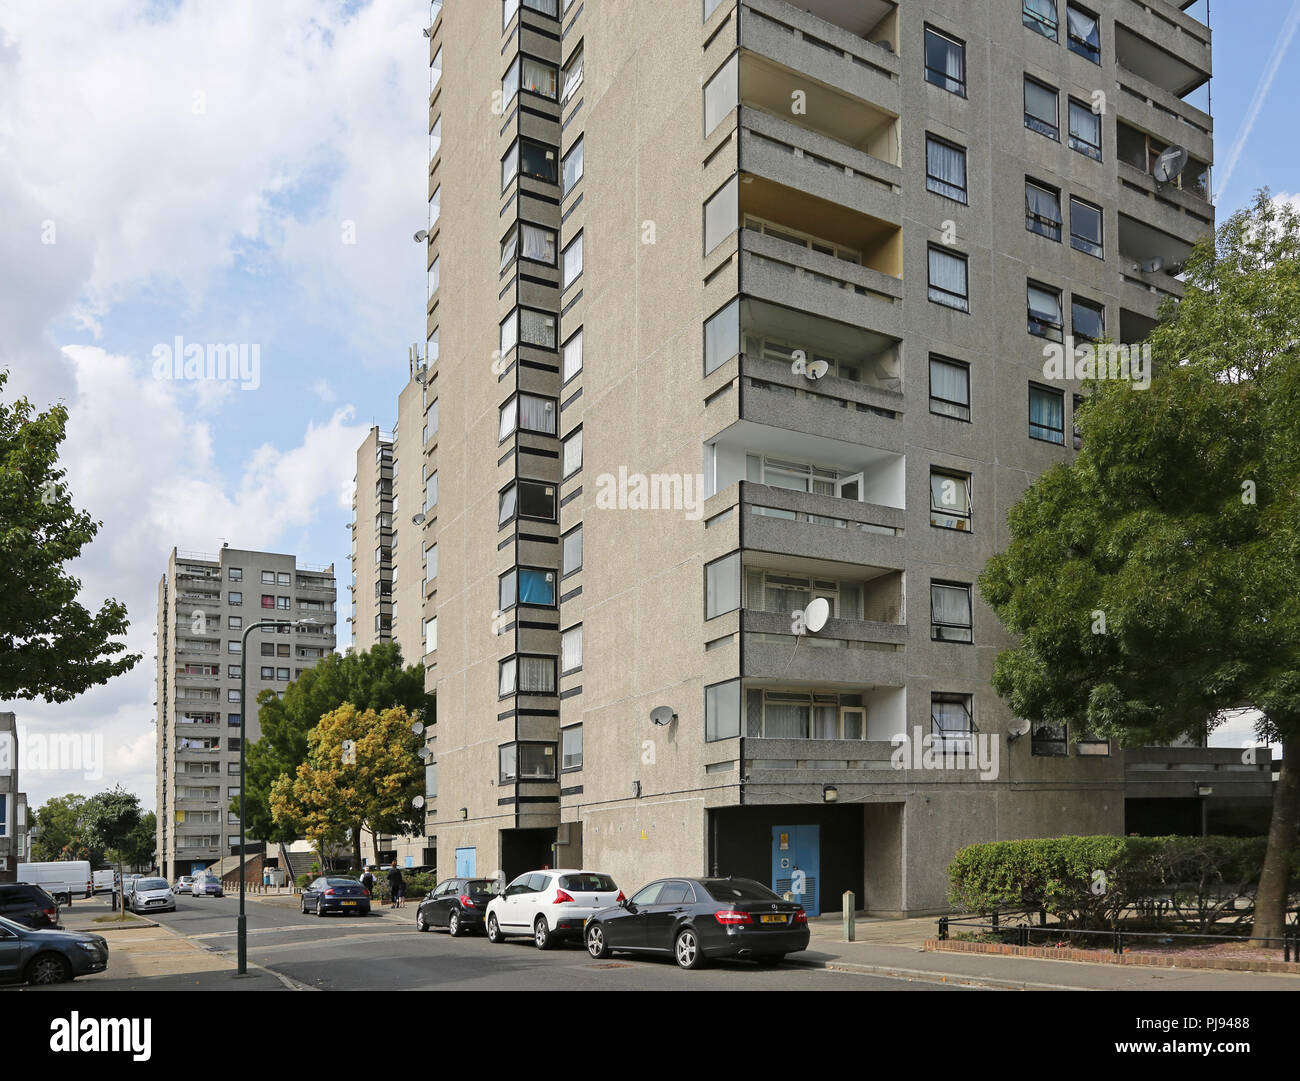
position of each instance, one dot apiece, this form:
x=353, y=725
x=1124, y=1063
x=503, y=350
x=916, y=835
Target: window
x=268, y=649
x=722, y=336
x=1046, y=414
x=268, y=578
x=431, y=562
x=545, y=7
x=435, y=205
x=1084, y=32
x=1042, y=109
x=233, y=670
x=526, y=499
x=234, y=646
x=572, y=364
x=1040, y=15
x=571, y=748
x=282, y=675
x=236, y=574
x=431, y=491
x=1087, y=319
x=435, y=67
x=951, y=719
x=284, y=578
x=948, y=284
x=233, y=720
x=950, y=388
x=572, y=453
x=431, y=635
x=430, y=426
x=945, y=168
x=526, y=762
x=722, y=585
x=572, y=166
x=950, y=616
x=1085, y=129
x=528, y=241
x=282, y=603
x=435, y=138
x=721, y=93
x=1045, y=317
x=235, y=623
x=268, y=672
x=572, y=76
x=710, y=6
x=799, y=715
x=232, y=694
x=526, y=413
x=1085, y=227
x=950, y=500
x=1042, y=210
x=526, y=675
x=533, y=76
x=527, y=326
x=572, y=261
x=534, y=160
x=571, y=649
x=721, y=214
x=536, y=587
x=945, y=62
x=1049, y=740
x=571, y=552
x=722, y=710
x=508, y=9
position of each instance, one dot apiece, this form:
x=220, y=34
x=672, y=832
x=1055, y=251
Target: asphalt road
x=384, y=952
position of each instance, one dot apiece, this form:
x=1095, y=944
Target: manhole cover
x=613, y=964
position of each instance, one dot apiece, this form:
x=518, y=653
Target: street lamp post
x=241, y=925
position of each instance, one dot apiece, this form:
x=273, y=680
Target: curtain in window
x=785, y=720
x=1041, y=102
x=537, y=675
x=826, y=722
x=536, y=414
x=573, y=356
x=510, y=82
x=1083, y=27
x=573, y=167
x=949, y=382
x=1045, y=12
x=509, y=166
x=950, y=717
x=947, y=272
x=950, y=605
x=1085, y=125
x=785, y=598
x=509, y=332
x=573, y=261
x=535, y=589
x=945, y=167
x=572, y=77
x=538, y=244
x=537, y=328
x=1047, y=414
x=1043, y=205
x=573, y=453
x=1045, y=306
x=571, y=649
x=537, y=77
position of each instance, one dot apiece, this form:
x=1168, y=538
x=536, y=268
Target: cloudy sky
x=249, y=172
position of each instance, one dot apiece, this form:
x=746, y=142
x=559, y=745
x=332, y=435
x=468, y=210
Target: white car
x=151, y=895
x=549, y=905
x=184, y=884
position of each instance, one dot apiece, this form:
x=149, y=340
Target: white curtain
x=571, y=649
x=950, y=605
x=573, y=261
x=947, y=272
x=510, y=82
x=536, y=414
x=785, y=720
x=946, y=165
x=826, y=722
x=1085, y=125
x=571, y=555
x=1041, y=102
x=537, y=675
x=509, y=332
x=537, y=328
x=506, y=682
x=538, y=244
x=1044, y=205
x=573, y=356
x=573, y=167
x=573, y=453
x=949, y=382
x=537, y=77
x=1083, y=27
x=572, y=77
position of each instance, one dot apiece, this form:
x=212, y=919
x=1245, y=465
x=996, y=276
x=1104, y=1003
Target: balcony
x=1154, y=772
x=1145, y=289
x=844, y=651
x=851, y=47
x=1153, y=109
x=1180, y=63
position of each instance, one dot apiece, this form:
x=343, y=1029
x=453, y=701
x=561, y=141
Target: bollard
x=849, y=912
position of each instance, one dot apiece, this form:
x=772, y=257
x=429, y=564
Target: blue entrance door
x=466, y=862
x=796, y=864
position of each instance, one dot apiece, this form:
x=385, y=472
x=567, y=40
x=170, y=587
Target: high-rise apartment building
x=747, y=322
x=205, y=604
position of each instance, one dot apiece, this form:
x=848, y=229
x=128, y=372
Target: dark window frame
x=931, y=179
x=1037, y=123
x=935, y=398
x=942, y=78
x=1041, y=389
x=1032, y=219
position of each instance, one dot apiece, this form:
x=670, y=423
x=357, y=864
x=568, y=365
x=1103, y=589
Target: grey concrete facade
x=775, y=157
x=205, y=602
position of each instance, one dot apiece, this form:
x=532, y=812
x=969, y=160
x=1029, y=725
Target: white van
x=64, y=879
x=105, y=881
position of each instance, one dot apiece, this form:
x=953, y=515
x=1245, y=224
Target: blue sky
x=199, y=168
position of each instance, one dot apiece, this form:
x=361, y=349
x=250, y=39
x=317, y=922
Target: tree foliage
x=50, y=646
x=1151, y=580
x=61, y=833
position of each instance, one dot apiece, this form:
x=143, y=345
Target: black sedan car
x=333, y=893
x=48, y=956
x=457, y=904
x=694, y=919
x=29, y=905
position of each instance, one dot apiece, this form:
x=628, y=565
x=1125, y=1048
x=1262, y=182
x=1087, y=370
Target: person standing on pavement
x=396, y=887
x=368, y=880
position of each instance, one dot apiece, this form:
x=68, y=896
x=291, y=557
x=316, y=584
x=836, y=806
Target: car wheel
x=420, y=923
x=541, y=934
x=494, y=930
x=48, y=968
x=596, y=944
x=686, y=949
x=304, y=906
x=63, y=898
x=320, y=908
x=453, y=925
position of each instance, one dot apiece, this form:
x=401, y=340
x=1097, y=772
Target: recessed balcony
x=1180, y=63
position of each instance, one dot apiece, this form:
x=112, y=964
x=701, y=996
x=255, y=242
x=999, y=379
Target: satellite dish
x=816, y=614
x=1172, y=161
x=418, y=802
x=1153, y=266
x=818, y=368
x=424, y=754
x=417, y=727
x=1019, y=727
x=662, y=715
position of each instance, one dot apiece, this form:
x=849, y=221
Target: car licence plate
x=773, y=919
x=349, y=902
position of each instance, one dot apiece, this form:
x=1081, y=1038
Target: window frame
x=1080, y=46
x=1077, y=144
x=1056, y=332
x=931, y=288
x=937, y=628
x=1038, y=123
x=931, y=179
x=1055, y=393
x=1085, y=244
x=951, y=39
x=1035, y=22
x=957, y=516
x=952, y=362
x=1036, y=219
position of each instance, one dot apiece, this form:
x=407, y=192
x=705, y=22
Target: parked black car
x=28, y=905
x=333, y=893
x=457, y=904
x=48, y=956
x=694, y=919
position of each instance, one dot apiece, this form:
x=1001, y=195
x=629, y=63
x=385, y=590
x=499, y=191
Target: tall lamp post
x=241, y=924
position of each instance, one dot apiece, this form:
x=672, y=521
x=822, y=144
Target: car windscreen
x=480, y=887
x=737, y=889
x=151, y=884
x=342, y=882
x=588, y=883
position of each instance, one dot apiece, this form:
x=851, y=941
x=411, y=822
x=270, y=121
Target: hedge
x=1090, y=881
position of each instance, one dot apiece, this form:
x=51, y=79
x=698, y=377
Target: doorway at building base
x=796, y=864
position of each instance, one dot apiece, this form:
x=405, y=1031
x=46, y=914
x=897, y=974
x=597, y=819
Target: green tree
x=362, y=772
x=1151, y=581
x=50, y=646
x=112, y=819
x=370, y=679
x=140, y=846
x=61, y=833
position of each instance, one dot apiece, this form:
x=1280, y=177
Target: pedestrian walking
x=368, y=880
x=396, y=887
